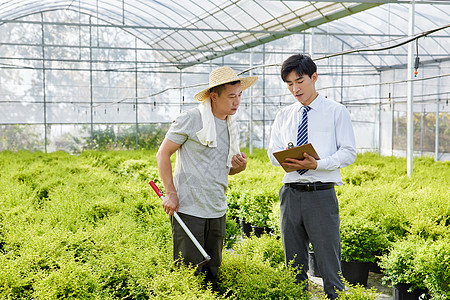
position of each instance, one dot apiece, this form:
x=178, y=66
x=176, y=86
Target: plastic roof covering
x=385, y=26
x=187, y=32
x=68, y=99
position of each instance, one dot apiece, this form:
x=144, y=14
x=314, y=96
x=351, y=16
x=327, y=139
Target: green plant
x=71, y=281
x=93, y=219
x=266, y=247
x=361, y=240
x=108, y=137
x=253, y=272
x=399, y=264
x=233, y=195
x=274, y=219
x=360, y=174
x=256, y=204
x=433, y=260
x=232, y=233
x=357, y=292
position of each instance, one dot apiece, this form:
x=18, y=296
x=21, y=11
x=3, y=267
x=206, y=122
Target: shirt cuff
x=321, y=164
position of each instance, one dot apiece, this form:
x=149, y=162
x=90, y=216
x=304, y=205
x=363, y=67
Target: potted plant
x=235, y=197
x=400, y=269
x=255, y=208
x=433, y=260
x=360, y=240
x=274, y=220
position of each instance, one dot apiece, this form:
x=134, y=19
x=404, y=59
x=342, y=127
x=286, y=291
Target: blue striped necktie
x=302, y=132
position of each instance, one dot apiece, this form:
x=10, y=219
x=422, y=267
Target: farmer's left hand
x=238, y=163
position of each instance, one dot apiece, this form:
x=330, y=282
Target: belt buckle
x=310, y=187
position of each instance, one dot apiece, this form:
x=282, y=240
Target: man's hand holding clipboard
x=295, y=158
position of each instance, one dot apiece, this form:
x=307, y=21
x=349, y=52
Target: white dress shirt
x=330, y=132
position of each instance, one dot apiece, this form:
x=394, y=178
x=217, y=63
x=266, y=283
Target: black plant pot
x=313, y=267
x=246, y=228
x=356, y=272
x=258, y=231
x=400, y=292
x=375, y=268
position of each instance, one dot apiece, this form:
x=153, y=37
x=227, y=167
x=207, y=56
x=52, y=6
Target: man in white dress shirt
x=308, y=203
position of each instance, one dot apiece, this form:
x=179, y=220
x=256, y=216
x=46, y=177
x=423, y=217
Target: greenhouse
x=81, y=80
x=73, y=72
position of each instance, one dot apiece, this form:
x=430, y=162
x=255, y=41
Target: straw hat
x=224, y=75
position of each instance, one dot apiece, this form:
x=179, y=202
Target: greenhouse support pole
x=90, y=84
x=43, y=84
x=379, y=114
x=136, y=90
x=251, y=107
x=421, y=129
x=342, y=73
x=311, y=49
x=410, y=106
x=392, y=124
x=436, y=146
x=264, y=97
x=181, y=90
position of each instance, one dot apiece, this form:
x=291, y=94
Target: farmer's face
x=227, y=103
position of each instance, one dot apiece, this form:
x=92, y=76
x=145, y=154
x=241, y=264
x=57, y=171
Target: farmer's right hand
x=171, y=203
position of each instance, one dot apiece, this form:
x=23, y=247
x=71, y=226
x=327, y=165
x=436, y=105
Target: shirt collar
x=314, y=105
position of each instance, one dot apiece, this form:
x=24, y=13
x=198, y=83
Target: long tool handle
x=185, y=228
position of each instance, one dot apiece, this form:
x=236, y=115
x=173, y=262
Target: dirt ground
x=374, y=280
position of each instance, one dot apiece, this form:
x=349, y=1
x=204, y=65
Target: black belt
x=310, y=186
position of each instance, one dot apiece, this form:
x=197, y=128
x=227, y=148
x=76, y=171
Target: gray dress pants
x=312, y=217
x=210, y=233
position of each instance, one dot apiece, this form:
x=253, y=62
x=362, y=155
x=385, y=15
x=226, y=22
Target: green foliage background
x=90, y=227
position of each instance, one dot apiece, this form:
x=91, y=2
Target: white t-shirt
x=201, y=173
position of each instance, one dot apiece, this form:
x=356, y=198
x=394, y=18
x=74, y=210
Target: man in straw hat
x=309, y=211
x=206, y=140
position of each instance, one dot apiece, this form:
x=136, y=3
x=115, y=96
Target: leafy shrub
x=361, y=174
x=179, y=283
x=113, y=138
x=93, y=218
x=233, y=203
x=247, y=274
x=361, y=240
x=266, y=247
x=131, y=166
x=71, y=281
x=422, y=263
x=433, y=260
x=15, y=279
x=274, y=219
x=356, y=292
x=399, y=264
x=256, y=204
x=232, y=233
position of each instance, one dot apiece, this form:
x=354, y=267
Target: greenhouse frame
x=97, y=74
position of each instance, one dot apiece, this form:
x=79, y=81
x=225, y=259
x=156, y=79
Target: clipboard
x=295, y=152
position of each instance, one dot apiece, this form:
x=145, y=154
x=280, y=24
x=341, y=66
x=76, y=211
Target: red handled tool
x=185, y=228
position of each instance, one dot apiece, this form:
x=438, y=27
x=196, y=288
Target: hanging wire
x=416, y=37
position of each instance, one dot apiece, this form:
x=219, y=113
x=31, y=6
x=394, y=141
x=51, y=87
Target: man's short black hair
x=301, y=64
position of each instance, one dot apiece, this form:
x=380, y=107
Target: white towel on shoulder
x=207, y=135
